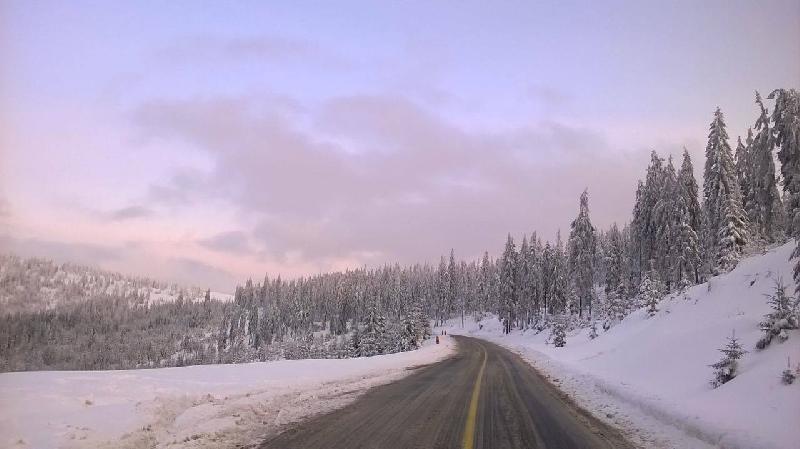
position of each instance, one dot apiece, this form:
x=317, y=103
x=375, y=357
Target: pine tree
x=645, y=224
x=508, y=284
x=788, y=376
x=784, y=316
x=524, y=279
x=689, y=218
x=558, y=334
x=593, y=330
x=650, y=292
x=786, y=119
x=485, y=284
x=409, y=336
x=614, y=260
x=722, y=201
x=453, y=288
x=582, y=248
x=726, y=369
x=766, y=209
x=615, y=288
x=666, y=216
x=443, y=291
x=373, y=337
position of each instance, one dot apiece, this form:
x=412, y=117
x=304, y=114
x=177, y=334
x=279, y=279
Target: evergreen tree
x=786, y=119
x=485, y=284
x=650, y=292
x=509, y=290
x=784, y=316
x=726, y=369
x=615, y=283
x=722, y=201
x=582, y=248
x=453, y=288
x=765, y=208
x=745, y=174
x=443, y=291
x=524, y=280
x=666, y=223
x=689, y=216
x=558, y=334
x=373, y=338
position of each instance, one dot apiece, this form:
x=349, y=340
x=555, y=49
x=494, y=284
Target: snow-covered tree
x=650, y=292
x=373, y=337
x=744, y=173
x=453, y=290
x=786, y=120
x=726, y=368
x=509, y=291
x=558, y=334
x=442, y=291
x=784, y=316
x=593, y=330
x=486, y=284
x=765, y=209
x=788, y=376
x=582, y=248
x=726, y=228
x=689, y=222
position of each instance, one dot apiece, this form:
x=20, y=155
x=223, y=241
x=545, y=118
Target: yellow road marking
x=469, y=429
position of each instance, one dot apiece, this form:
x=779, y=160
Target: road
x=483, y=397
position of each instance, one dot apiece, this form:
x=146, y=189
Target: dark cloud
x=122, y=258
x=231, y=241
x=5, y=208
x=130, y=212
x=211, y=49
x=380, y=178
x=193, y=272
x=549, y=98
x=82, y=253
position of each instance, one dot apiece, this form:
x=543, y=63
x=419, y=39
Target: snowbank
x=197, y=406
x=651, y=375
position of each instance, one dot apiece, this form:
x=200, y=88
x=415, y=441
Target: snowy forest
x=678, y=236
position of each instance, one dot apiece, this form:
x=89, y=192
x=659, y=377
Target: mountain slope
x=657, y=368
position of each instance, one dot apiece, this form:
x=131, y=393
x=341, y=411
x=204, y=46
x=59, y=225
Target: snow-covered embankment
x=650, y=375
x=198, y=406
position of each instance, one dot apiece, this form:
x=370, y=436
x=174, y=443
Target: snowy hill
x=653, y=372
x=32, y=284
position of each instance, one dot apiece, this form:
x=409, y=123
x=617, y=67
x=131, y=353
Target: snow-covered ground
x=651, y=377
x=199, y=406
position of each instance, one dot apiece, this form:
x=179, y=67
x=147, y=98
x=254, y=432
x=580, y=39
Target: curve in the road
x=483, y=397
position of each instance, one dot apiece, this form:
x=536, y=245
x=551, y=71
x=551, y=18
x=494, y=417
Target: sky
x=205, y=143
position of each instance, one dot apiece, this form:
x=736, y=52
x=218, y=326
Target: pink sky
x=206, y=143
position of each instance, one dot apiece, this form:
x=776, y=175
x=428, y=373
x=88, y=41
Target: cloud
x=83, y=253
x=214, y=49
x=5, y=208
x=193, y=272
x=130, y=212
x=379, y=178
x=231, y=241
x=131, y=258
x=549, y=98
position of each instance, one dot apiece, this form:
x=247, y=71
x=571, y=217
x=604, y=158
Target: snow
x=196, y=406
x=650, y=376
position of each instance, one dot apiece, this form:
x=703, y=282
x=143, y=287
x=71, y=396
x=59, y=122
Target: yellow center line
x=469, y=429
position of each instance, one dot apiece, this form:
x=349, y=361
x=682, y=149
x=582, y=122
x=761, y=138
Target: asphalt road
x=483, y=397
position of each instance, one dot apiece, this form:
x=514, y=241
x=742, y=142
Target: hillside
x=33, y=284
x=653, y=374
